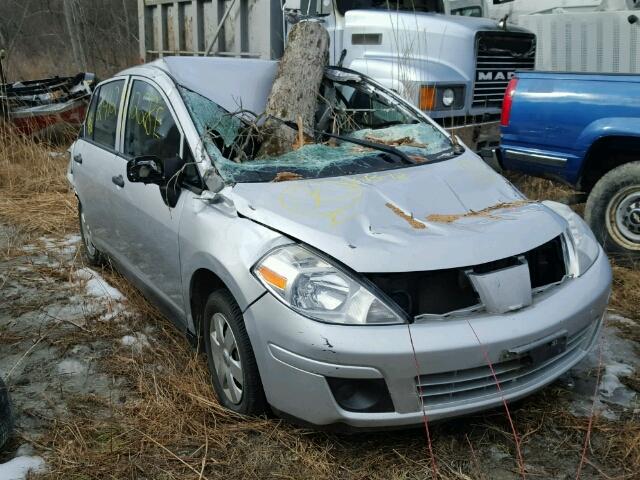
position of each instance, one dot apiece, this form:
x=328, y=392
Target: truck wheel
x=91, y=253
x=232, y=364
x=6, y=419
x=613, y=212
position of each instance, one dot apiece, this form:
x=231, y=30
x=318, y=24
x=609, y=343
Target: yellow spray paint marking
x=334, y=201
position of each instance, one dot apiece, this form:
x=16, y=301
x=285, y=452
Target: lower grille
x=464, y=386
x=499, y=55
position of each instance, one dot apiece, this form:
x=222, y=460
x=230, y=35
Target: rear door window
x=150, y=128
x=102, y=124
x=87, y=130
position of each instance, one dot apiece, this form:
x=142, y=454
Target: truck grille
x=464, y=386
x=499, y=55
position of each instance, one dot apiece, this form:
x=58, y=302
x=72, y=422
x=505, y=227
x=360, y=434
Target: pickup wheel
x=6, y=418
x=91, y=253
x=613, y=212
x=232, y=364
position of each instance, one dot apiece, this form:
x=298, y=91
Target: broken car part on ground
x=46, y=107
x=339, y=296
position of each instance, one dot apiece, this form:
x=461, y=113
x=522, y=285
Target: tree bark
x=294, y=93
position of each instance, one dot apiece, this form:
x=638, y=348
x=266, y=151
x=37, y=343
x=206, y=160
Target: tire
x=613, y=212
x=232, y=364
x=6, y=417
x=93, y=256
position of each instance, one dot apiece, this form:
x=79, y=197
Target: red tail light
x=508, y=102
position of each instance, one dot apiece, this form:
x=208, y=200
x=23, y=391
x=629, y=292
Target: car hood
x=451, y=214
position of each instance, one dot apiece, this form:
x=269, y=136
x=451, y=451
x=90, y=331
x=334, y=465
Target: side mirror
x=146, y=169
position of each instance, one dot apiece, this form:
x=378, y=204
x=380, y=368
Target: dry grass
x=35, y=193
x=171, y=427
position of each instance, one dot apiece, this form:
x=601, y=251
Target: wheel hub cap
x=226, y=358
x=624, y=216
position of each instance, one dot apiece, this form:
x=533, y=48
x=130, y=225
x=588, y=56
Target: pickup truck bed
x=583, y=129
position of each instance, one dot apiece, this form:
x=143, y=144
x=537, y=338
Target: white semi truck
x=600, y=36
x=455, y=69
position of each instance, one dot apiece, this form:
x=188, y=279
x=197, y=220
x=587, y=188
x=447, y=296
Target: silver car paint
x=229, y=232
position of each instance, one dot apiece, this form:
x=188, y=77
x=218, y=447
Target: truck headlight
x=313, y=287
x=582, y=247
x=433, y=97
x=448, y=97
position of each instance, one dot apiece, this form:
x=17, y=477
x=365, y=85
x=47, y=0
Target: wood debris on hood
x=287, y=177
x=486, y=212
x=396, y=142
x=417, y=224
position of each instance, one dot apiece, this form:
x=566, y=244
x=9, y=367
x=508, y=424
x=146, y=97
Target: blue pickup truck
x=583, y=129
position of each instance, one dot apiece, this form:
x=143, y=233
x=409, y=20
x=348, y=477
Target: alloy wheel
x=226, y=358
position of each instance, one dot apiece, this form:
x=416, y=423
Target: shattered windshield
x=359, y=128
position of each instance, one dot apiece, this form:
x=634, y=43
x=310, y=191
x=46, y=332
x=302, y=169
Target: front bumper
x=296, y=354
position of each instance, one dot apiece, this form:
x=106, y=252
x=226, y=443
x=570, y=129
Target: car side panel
x=92, y=183
x=215, y=238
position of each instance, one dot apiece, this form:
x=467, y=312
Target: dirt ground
x=105, y=387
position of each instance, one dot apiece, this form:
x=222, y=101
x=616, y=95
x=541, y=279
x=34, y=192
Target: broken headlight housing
x=315, y=288
x=582, y=247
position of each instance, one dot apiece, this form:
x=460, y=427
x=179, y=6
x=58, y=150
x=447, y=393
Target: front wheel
x=613, y=212
x=232, y=364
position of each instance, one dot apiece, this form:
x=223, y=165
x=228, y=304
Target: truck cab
x=454, y=68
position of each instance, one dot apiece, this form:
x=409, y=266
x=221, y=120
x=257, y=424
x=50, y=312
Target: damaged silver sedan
x=377, y=273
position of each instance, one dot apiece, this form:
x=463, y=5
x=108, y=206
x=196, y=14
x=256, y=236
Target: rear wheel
x=6, y=418
x=92, y=254
x=613, y=212
x=234, y=373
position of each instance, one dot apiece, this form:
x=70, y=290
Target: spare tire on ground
x=6, y=419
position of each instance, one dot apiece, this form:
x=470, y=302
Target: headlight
x=317, y=289
x=448, y=97
x=583, y=248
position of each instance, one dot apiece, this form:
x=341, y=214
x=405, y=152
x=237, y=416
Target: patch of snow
x=71, y=367
x=70, y=240
x=137, y=341
x=614, y=317
x=619, y=359
x=20, y=467
x=25, y=450
x=612, y=389
x=97, y=286
x=29, y=248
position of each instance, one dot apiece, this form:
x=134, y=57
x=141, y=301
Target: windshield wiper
x=357, y=141
x=375, y=146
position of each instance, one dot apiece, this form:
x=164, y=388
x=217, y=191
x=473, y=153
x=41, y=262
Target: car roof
x=232, y=83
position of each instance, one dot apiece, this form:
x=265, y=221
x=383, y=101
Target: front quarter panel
x=216, y=238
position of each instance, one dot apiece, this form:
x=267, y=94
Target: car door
x=151, y=225
x=95, y=164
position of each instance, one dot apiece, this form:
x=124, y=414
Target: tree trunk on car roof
x=294, y=93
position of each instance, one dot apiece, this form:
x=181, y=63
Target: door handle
x=118, y=180
x=77, y=158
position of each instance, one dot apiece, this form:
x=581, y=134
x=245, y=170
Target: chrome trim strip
x=547, y=160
